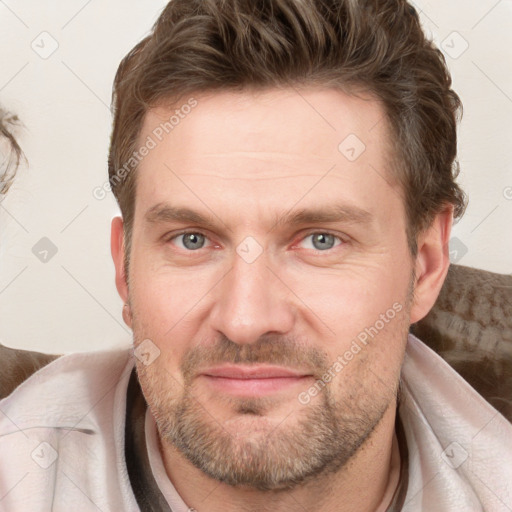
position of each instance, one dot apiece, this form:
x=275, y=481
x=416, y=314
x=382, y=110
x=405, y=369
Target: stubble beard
x=323, y=436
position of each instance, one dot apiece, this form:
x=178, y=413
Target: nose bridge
x=251, y=302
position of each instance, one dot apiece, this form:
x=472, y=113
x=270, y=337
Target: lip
x=254, y=380
x=251, y=372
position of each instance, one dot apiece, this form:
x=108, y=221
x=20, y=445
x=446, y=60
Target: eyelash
x=339, y=238
x=168, y=238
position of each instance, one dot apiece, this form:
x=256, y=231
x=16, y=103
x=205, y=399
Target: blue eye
x=321, y=241
x=190, y=241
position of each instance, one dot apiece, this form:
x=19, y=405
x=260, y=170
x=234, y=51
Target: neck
x=365, y=484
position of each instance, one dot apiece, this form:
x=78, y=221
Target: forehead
x=272, y=146
x=316, y=122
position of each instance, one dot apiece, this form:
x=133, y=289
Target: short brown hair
x=378, y=45
x=11, y=153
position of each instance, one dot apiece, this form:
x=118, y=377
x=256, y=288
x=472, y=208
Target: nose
x=250, y=302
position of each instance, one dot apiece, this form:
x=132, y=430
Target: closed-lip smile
x=252, y=380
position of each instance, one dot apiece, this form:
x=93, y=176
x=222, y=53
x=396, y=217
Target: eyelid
x=169, y=237
x=342, y=238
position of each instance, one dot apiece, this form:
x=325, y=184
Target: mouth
x=254, y=380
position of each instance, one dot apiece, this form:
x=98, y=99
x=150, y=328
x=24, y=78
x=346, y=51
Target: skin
x=248, y=162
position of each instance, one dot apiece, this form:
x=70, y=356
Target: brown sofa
x=470, y=326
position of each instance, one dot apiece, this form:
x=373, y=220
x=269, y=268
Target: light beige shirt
x=62, y=439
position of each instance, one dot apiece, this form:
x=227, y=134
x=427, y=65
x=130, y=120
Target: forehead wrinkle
x=259, y=155
x=250, y=178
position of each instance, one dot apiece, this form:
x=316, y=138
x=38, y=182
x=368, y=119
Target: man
x=285, y=171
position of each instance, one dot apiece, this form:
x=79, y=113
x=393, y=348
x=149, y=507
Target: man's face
x=268, y=245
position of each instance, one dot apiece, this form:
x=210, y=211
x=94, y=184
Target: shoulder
x=450, y=426
x=66, y=386
x=62, y=432
x=17, y=365
x=470, y=327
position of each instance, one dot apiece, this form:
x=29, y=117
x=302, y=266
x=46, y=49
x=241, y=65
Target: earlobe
x=127, y=314
x=432, y=263
x=117, y=249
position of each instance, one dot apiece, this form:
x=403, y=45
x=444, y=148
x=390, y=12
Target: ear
x=432, y=263
x=117, y=249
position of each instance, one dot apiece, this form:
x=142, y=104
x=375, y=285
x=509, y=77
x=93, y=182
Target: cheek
x=160, y=306
x=165, y=295
x=342, y=304
x=360, y=318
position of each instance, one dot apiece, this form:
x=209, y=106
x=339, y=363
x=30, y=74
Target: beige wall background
x=58, y=60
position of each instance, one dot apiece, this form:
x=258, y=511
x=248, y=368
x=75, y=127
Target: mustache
x=271, y=349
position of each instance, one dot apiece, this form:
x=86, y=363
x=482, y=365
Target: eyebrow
x=334, y=213
x=166, y=213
